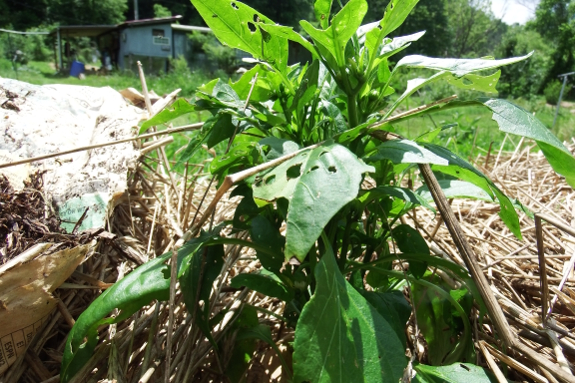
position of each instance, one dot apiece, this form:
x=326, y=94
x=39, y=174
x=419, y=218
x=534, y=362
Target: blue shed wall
x=139, y=41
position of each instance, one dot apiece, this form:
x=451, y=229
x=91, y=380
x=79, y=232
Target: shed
x=150, y=41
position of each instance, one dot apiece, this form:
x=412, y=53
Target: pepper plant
x=325, y=220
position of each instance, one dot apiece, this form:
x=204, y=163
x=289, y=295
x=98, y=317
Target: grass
x=472, y=121
x=42, y=73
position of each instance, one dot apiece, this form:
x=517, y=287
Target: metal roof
x=159, y=20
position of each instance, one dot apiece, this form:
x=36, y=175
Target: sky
x=511, y=11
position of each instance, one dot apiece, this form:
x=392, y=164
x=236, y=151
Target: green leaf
x=434, y=312
x=261, y=90
x=137, y=289
x=221, y=130
x=398, y=44
x=234, y=24
x=393, y=307
x=265, y=235
x=395, y=14
x=404, y=194
x=515, y=120
x=412, y=86
x=410, y=241
x=279, y=147
x=477, y=83
x=341, y=338
x=322, y=10
x=243, y=349
x=405, y=151
x=459, y=67
x=179, y=108
x=196, y=283
x=318, y=183
x=455, y=373
x=264, y=284
x=463, y=170
x=456, y=189
x=289, y=34
x=343, y=27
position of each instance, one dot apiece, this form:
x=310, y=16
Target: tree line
x=454, y=28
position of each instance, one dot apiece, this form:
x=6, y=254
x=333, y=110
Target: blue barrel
x=76, y=68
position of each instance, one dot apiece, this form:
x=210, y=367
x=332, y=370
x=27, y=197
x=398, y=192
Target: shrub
x=552, y=91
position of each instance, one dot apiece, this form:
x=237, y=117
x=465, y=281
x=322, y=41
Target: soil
x=26, y=219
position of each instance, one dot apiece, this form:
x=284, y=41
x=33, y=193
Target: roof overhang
x=83, y=30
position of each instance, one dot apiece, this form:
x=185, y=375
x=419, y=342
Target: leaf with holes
x=476, y=82
x=322, y=10
x=459, y=67
x=318, y=183
x=341, y=338
x=235, y=25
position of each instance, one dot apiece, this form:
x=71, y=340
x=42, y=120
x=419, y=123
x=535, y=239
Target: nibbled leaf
x=456, y=189
x=179, y=108
x=318, y=183
x=322, y=10
x=234, y=24
x=289, y=34
x=341, y=338
x=515, y=120
x=405, y=151
x=343, y=27
x=475, y=82
x=459, y=67
x=398, y=43
x=463, y=170
x=455, y=373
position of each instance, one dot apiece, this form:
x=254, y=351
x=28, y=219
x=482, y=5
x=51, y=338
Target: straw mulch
x=155, y=209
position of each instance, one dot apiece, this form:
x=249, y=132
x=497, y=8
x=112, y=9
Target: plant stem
x=352, y=111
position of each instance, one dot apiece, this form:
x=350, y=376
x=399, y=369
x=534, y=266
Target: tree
x=23, y=14
x=87, y=12
x=429, y=16
x=161, y=11
x=528, y=77
x=553, y=20
x=474, y=28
